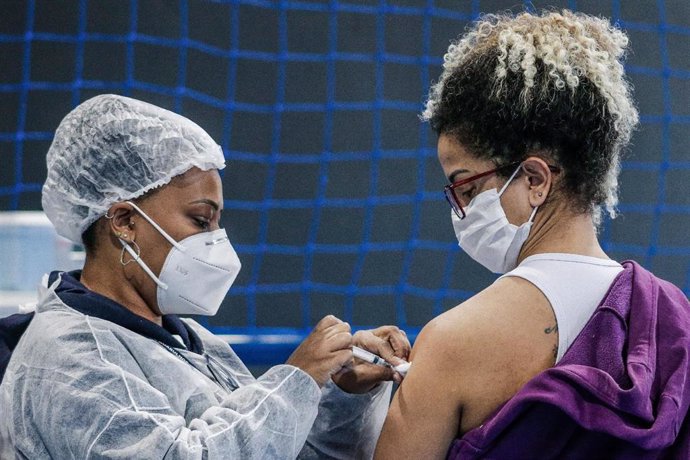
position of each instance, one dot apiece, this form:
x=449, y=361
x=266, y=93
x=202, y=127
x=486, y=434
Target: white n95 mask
x=485, y=233
x=196, y=274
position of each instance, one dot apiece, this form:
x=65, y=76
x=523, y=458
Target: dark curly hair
x=554, y=84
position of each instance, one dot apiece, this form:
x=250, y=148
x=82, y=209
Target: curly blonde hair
x=552, y=82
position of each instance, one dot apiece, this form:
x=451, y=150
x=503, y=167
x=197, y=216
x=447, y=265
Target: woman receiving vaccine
x=569, y=354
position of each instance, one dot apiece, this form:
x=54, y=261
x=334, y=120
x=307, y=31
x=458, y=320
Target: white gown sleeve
x=77, y=387
x=348, y=425
x=97, y=412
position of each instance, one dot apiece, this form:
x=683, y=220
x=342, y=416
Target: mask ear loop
x=510, y=179
x=505, y=186
x=534, y=212
x=135, y=254
x=157, y=227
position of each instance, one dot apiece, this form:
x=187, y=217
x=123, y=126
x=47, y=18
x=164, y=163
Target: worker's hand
x=388, y=342
x=325, y=351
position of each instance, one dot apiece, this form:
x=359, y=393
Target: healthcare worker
x=105, y=368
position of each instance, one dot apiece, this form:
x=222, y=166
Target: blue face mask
x=485, y=233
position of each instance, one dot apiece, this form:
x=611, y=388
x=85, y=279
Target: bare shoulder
x=506, y=313
x=490, y=345
x=465, y=363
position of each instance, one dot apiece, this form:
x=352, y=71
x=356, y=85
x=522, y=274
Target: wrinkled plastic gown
x=81, y=387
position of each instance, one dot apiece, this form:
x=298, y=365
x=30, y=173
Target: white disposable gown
x=82, y=387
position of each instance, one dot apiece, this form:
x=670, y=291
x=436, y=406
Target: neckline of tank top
x=576, y=258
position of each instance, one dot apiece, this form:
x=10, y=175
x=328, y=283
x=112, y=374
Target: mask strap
x=135, y=254
x=505, y=186
x=157, y=227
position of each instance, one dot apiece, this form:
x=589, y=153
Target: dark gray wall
x=333, y=192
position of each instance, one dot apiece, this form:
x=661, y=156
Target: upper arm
x=465, y=364
x=425, y=413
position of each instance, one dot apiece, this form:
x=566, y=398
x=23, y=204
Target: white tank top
x=575, y=285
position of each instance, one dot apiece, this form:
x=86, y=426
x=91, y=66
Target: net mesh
x=332, y=194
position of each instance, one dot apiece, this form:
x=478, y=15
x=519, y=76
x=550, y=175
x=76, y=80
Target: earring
x=137, y=251
x=540, y=194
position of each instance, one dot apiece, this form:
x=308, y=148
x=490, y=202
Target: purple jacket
x=621, y=391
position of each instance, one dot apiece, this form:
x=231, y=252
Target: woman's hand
x=390, y=343
x=325, y=351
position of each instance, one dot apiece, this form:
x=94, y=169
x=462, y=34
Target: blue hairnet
x=113, y=148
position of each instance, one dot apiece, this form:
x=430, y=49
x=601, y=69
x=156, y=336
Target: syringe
x=372, y=358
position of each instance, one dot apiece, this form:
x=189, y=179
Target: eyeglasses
x=457, y=203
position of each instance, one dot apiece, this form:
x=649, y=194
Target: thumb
x=326, y=322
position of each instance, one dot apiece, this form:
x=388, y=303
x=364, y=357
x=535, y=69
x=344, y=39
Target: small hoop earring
x=137, y=250
x=107, y=216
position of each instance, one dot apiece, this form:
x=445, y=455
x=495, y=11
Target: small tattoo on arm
x=551, y=329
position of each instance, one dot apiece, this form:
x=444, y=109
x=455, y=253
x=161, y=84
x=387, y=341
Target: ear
x=540, y=179
x=120, y=223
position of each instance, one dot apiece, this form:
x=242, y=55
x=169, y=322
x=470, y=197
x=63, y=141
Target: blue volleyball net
x=332, y=192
